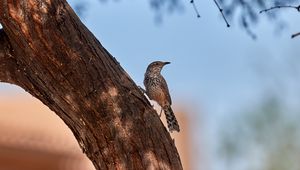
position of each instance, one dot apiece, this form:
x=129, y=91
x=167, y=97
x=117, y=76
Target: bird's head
x=156, y=66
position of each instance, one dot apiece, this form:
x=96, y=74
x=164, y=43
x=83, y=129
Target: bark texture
x=46, y=50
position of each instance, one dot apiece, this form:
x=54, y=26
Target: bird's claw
x=142, y=90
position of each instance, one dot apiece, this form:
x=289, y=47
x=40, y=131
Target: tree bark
x=46, y=50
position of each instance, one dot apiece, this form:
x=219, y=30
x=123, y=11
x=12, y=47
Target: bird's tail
x=171, y=119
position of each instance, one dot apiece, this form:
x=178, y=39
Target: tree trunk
x=46, y=50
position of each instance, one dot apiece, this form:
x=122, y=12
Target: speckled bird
x=157, y=90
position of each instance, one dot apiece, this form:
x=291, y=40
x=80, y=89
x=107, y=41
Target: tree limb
x=68, y=69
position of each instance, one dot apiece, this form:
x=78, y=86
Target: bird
x=157, y=90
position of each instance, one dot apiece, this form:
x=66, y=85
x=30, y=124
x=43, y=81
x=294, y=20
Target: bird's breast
x=154, y=90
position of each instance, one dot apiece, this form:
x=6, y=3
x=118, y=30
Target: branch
x=295, y=35
x=8, y=64
x=221, y=10
x=281, y=6
x=195, y=8
x=68, y=69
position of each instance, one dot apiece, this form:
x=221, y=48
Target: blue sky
x=213, y=68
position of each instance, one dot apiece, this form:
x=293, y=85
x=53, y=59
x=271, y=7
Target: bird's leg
x=160, y=112
x=144, y=92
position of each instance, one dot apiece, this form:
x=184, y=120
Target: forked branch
x=218, y=6
x=283, y=6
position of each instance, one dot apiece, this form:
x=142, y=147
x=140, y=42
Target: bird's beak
x=165, y=63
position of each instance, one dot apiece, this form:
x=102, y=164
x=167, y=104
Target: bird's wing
x=165, y=88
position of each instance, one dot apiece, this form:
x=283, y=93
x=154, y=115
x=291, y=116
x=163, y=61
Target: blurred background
x=236, y=90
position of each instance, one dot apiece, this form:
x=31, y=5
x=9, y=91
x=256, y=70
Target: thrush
x=157, y=90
